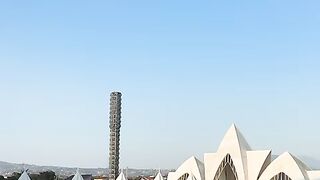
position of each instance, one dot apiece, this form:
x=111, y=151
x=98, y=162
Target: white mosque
x=235, y=160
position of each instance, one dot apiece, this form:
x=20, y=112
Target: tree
x=14, y=176
x=48, y=175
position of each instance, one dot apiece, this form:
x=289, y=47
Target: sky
x=187, y=70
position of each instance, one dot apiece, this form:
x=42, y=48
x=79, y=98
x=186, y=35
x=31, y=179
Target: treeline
x=47, y=175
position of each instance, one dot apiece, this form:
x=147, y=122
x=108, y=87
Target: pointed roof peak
x=121, y=176
x=287, y=153
x=159, y=176
x=194, y=158
x=233, y=125
x=295, y=159
x=234, y=137
x=24, y=176
x=77, y=176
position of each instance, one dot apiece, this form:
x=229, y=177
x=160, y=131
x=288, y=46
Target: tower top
x=115, y=93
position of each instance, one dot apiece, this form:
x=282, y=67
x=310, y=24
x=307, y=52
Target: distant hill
x=309, y=161
x=8, y=168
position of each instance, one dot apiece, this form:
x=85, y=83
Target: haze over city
x=186, y=71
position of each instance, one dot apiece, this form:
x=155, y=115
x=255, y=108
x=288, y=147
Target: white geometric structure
x=191, y=177
x=24, y=176
x=192, y=166
x=121, y=176
x=235, y=160
x=77, y=176
x=159, y=176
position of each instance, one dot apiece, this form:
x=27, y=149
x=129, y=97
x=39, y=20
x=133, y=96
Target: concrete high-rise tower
x=114, y=124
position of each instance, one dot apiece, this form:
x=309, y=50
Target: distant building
x=114, y=124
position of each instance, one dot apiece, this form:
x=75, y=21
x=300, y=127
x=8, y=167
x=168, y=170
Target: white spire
x=77, y=176
x=159, y=176
x=24, y=176
x=234, y=139
x=235, y=144
x=121, y=176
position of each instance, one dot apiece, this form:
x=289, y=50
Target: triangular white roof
x=159, y=176
x=288, y=164
x=121, y=176
x=236, y=145
x=24, y=176
x=233, y=137
x=192, y=165
x=77, y=176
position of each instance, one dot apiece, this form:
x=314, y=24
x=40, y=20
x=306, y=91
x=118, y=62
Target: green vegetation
x=47, y=175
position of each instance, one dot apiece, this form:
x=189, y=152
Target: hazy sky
x=187, y=70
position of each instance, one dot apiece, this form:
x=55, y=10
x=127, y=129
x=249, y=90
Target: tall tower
x=114, y=124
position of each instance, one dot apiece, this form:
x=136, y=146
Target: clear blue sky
x=186, y=69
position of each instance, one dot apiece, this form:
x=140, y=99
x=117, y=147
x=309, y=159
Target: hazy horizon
x=186, y=70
